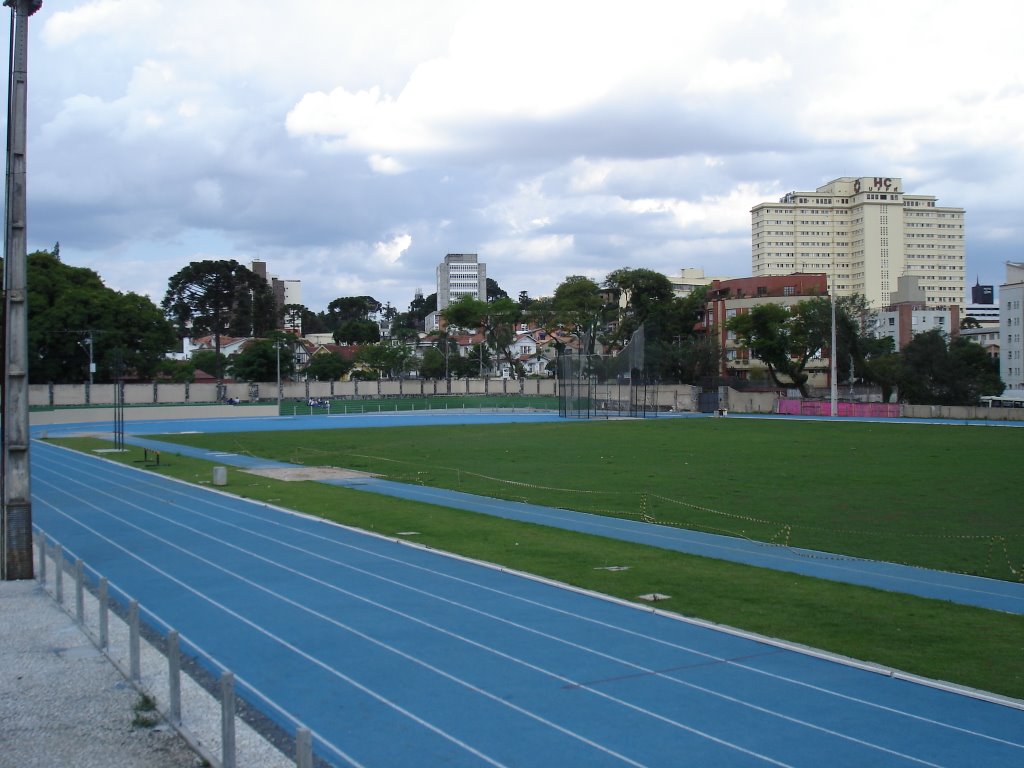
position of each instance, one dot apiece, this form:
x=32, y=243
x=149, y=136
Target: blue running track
x=396, y=655
x=940, y=585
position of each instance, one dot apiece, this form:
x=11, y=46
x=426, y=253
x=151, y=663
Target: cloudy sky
x=350, y=144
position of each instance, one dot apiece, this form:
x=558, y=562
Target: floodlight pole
x=16, y=522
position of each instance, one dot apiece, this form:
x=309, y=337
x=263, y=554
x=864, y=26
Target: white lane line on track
x=276, y=638
x=624, y=662
x=192, y=492
x=516, y=660
x=352, y=630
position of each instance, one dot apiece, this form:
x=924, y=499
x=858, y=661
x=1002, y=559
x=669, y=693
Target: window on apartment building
x=892, y=321
x=789, y=290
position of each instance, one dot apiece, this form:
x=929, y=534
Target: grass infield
x=942, y=497
x=961, y=644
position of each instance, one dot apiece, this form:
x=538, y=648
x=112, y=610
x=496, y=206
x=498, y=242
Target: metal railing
x=193, y=691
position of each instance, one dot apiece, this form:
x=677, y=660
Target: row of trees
x=931, y=370
x=74, y=318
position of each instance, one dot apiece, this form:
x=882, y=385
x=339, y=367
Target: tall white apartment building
x=864, y=233
x=460, y=274
x=1011, y=327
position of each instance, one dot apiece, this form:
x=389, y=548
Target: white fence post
x=227, y=719
x=104, y=614
x=134, y=662
x=58, y=566
x=174, y=676
x=42, y=559
x=79, y=593
x=303, y=748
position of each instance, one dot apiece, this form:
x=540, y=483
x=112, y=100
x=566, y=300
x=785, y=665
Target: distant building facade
x=728, y=298
x=986, y=338
x=863, y=233
x=690, y=279
x=460, y=274
x=1011, y=327
x=982, y=294
x=910, y=314
x=285, y=292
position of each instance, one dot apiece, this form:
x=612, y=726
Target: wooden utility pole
x=16, y=523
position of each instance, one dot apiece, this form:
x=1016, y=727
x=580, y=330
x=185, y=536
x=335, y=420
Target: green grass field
x=943, y=497
x=969, y=646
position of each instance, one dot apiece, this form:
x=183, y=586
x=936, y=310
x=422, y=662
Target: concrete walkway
x=62, y=703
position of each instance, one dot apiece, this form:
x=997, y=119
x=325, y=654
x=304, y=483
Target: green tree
x=969, y=322
x=176, y=371
x=936, y=371
x=219, y=298
x=495, y=291
x=497, y=319
x=684, y=353
x=885, y=370
x=357, y=331
x=647, y=296
x=312, y=322
x=691, y=360
x=140, y=330
x=447, y=349
x=785, y=339
x=432, y=366
x=579, y=305
x=473, y=364
x=327, y=366
x=384, y=359
x=420, y=307
x=260, y=359
x=346, y=308
x=69, y=307
x=208, y=361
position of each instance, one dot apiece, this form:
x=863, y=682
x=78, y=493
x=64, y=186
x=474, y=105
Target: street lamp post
x=88, y=343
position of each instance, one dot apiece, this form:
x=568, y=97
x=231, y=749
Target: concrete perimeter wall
x=679, y=397
x=155, y=413
x=156, y=393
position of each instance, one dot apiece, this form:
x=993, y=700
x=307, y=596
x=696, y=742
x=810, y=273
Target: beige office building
x=864, y=233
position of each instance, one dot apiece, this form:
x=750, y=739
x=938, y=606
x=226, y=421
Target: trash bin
x=220, y=475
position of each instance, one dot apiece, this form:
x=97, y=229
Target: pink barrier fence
x=824, y=408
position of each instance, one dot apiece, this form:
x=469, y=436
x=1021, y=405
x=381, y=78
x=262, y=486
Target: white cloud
x=385, y=164
x=98, y=17
x=718, y=75
x=715, y=214
x=391, y=251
